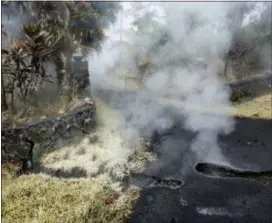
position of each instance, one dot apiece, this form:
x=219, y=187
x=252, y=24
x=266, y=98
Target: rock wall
x=252, y=87
x=41, y=136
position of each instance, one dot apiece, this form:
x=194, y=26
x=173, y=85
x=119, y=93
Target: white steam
x=197, y=32
x=176, y=88
x=107, y=159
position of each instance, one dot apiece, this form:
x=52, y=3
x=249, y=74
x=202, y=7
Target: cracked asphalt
x=203, y=198
x=210, y=199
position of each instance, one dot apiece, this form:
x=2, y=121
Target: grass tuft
x=41, y=198
x=260, y=107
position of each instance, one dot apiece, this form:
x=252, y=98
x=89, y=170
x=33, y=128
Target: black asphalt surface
x=203, y=198
x=210, y=199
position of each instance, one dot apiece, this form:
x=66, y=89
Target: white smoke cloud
x=191, y=87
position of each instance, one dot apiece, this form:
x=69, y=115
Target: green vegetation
x=52, y=32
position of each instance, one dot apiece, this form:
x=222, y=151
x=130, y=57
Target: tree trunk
x=63, y=58
x=64, y=76
x=12, y=99
x=4, y=99
x=67, y=88
x=60, y=70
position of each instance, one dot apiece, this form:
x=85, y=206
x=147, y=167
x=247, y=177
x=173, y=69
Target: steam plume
x=179, y=76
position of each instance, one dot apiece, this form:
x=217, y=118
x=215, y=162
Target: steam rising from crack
x=132, y=104
x=106, y=159
x=179, y=84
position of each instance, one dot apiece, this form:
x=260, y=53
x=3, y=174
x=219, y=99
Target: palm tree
x=70, y=21
x=24, y=61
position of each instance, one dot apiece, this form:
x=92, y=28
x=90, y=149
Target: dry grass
x=97, y=198
x=26, y=115
x=43, y=110
x=106, y=163
x=260, y=107
x=41, y=198
x=108, y=160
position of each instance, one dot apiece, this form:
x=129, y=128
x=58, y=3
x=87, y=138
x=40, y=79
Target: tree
x=149, y=35
x=3, y=92
x=243, y=50
x=23, y=61
x=82, y=22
